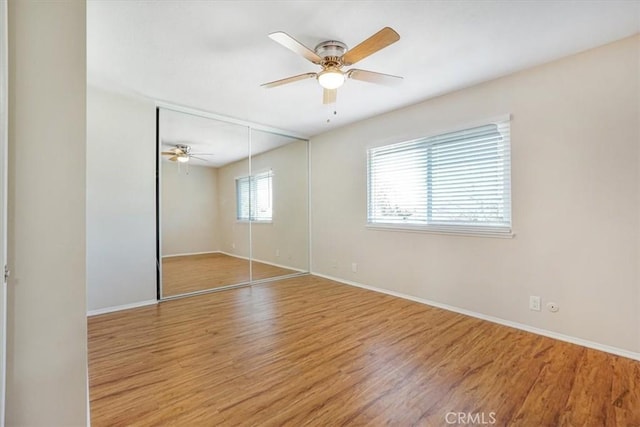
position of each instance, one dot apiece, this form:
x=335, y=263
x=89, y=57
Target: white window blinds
x=458, y=181
x=254, y=197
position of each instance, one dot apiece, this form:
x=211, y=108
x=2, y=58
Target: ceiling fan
x=182, y=153
x=332, y=55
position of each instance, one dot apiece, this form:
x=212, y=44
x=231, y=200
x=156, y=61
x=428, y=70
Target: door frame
x=4, y=142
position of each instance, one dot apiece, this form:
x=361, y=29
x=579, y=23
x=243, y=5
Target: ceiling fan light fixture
x=331, y=78
x=332, y=55
x=183, y=158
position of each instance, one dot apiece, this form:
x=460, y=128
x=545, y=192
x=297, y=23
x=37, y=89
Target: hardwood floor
x=190, y=273
x=308, y=351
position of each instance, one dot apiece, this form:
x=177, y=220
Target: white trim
x=190, y=254
x=254, y=221
x=309, y=205
x=210, y=115
x=263, y=171
x=88, y=398
x=158, y=206
x=4, y=159
x=471, y=124
x=452, y=231
x=264, y=262
x=121, y=307
x=238, y=202
x=419, y=134
x=538, y=331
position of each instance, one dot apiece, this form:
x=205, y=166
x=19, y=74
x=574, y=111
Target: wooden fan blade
x=289, y=80
x=175, y=151
x=376, y=42
x=174, y=158
x=169, y=153
x=329, y=96
x=373, y=77
x=294, y=45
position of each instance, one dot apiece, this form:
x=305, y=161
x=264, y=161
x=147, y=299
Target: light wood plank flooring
x=308, y=351
x=191, y=273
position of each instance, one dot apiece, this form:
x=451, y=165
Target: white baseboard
x=233, y=255
x=265, y=262
x=550, y=334
x=120, y=307
x=190, y=253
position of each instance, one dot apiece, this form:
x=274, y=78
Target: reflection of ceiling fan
x=182, y=153
x=332, y=55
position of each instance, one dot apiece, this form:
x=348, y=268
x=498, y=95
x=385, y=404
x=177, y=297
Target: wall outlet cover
x=534, y=303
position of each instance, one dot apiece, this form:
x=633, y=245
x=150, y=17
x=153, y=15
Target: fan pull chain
x=332, y=111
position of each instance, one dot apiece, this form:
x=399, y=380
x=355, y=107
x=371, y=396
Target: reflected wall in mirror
x=280, y=229
x=233, y=204
x=193, y=149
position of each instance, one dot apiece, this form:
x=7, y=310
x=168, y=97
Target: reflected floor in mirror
x=307, y=351
x=192, y=273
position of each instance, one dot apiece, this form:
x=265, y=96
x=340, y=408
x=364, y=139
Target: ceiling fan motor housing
x=184, y=148
x=331, y=51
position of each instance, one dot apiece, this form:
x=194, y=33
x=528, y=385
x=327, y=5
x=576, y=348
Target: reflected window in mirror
x=240, y=216
x=254, y=197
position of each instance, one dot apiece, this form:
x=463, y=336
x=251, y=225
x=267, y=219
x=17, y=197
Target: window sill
x=454, y=231
x=255, y=221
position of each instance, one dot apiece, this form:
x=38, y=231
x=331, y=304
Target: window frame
x=252, y=179
x=449, y=229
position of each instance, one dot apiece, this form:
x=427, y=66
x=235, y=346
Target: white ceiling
x=213, y=55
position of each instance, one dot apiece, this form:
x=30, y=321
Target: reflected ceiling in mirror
x=214, y=143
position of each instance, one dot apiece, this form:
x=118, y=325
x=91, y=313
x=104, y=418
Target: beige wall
x=576, y=207
x=288, y=232
x=234, y=235
x=121, y=202
x=46, y=349
x=189, y=209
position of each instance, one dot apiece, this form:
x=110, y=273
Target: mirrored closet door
x=232, y=204
x=280, y=226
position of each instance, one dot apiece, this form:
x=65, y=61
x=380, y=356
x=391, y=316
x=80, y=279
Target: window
x=254, y=197
x=454, y=182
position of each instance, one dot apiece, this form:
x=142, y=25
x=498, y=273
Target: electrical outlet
x=334, y=263
x=233, y=245
x=553, y=307
x=534, y=303
x=354, y=267
x=277, y=252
